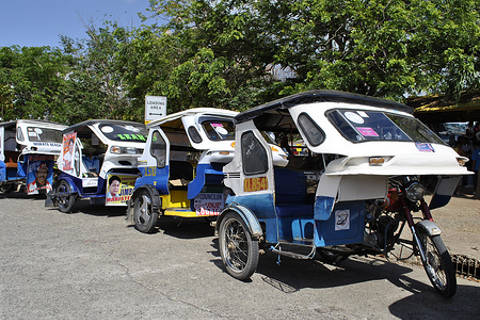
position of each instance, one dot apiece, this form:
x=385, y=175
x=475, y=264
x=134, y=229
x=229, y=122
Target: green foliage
x=30, y=81
x=236, y=54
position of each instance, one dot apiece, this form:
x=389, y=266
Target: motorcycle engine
x=385, y=228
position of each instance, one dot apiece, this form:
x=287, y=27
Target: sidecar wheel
x=6, y=188
x=439, y=266
x=143, y=215
x=65, y=200
x=238, y=250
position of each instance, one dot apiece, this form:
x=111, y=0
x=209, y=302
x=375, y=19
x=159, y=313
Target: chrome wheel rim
x=143, y=212
x=434, y=265
x=235, y=245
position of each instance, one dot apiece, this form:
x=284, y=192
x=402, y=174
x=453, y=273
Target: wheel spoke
x=235, y=246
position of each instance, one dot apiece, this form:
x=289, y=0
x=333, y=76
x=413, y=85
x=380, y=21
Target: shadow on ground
x=185, y=229
x=293, y=275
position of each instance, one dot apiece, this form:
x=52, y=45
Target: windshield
x=219, y=129
x=124, y=132
x=358, y=126
x=36, y=134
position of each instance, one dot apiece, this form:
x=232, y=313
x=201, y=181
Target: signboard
x=208, y=204
x=67, y=152
x=119, y=188
x=155, y=108
x=39, y=174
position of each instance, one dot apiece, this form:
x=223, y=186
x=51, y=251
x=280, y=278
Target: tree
x=381, y=48
x=94, y=86
x=30, y=81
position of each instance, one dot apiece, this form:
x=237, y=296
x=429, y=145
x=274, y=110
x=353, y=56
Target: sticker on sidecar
x=342, y=220
x=255, y=184
x=424, y=147
x=208, y=204
x=367, y=132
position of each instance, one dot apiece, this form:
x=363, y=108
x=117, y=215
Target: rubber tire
x=7, y=188
x=252, y=248
x=445, y=263
x=150, y=224
x=70, y=202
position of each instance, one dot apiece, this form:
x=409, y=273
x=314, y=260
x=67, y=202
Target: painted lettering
x=255, y=184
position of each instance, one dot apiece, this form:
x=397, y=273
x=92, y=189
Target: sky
x=33, y=23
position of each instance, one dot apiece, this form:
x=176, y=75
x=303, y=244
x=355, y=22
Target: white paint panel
x=362, y=188
x=328, y=186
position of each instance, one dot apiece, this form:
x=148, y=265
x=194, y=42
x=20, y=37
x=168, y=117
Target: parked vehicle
x=351, y=188
x=28, y=149
x=99, y=162
x=181, y=167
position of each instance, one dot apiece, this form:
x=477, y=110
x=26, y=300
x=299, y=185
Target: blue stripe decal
x=323, y=207
x=157, y=177
x=262, y=207
x=204, y=169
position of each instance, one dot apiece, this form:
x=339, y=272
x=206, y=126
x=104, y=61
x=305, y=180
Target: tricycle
x=98, y=162
x=181, y=167
x=358, y=169
x=28, y=150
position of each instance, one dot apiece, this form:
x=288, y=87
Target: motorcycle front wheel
x=438, y=264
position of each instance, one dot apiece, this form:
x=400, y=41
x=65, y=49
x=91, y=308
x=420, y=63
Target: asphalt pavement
x=91, y=265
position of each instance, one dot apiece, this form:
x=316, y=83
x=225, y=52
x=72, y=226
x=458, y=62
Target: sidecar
x=181, y=167
x=98, y=162
x=28, y=149
x=342, y=150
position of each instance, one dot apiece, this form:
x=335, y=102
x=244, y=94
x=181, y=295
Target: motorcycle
x=387, y=221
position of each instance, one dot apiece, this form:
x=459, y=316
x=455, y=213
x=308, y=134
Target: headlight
x=462, y=161
x=115, y=149
x=127, y=150
x=415, y=191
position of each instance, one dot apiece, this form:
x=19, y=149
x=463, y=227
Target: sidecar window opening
x=415, y=129
x=311, y=130
x=37, y=134
x=20, y=137
x=194, y=135
x=127, y=132
x=360, y=126
x=219, y=129
x=93, y=149
x=9, y=142
x=158, y=149
x=254, y=155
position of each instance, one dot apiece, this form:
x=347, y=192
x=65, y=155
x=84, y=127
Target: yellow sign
x=255, y=184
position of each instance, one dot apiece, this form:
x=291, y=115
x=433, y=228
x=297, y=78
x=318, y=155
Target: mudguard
x=50, y=201
x=154, y=195
x=70, y=182
x=247, y=216
x=429, y=227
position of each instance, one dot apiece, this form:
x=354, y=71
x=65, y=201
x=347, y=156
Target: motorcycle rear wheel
x=438, y=265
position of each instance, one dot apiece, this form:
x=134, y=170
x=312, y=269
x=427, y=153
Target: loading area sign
x=155, y=108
